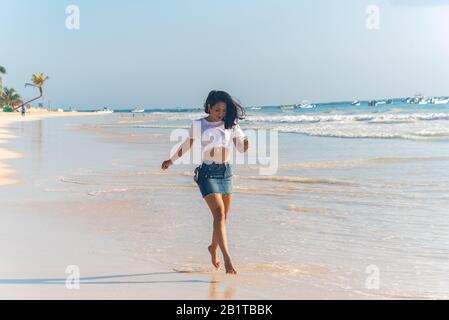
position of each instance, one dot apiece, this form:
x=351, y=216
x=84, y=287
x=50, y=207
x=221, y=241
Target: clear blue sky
x=166, y=53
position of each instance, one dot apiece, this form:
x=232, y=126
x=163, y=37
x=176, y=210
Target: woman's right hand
x=166, y=164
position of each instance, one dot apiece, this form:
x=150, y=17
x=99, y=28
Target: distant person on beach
x=214, y=176
x=23, y=110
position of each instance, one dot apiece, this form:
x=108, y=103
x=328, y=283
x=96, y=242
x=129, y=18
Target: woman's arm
x=183, y=149
x=240, y=139
x=241, y=144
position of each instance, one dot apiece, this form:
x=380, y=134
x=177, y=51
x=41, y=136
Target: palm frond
x=10, y=95
x=39, y=79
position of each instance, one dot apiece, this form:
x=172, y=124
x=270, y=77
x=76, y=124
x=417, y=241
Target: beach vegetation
x=37, y=81
x=9, y=99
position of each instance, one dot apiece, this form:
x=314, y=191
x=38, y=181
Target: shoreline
x=52, y=230
x=116, y=219
x=40, y=262
x=7, y=155
x=105, y=269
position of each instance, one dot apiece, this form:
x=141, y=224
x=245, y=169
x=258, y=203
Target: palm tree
x=2, y=71
x=38, y=81
x=10, y=97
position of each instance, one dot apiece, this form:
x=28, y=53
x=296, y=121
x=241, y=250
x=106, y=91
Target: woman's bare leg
x=213, y=248
x=227, y=201
x=219, y=236
x=215, y=203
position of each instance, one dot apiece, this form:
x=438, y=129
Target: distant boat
x=287, y=107
x=137, y=110
x=105, y=110
x=374, y=103
x=355, y=103
x=418, y=99
x=256, y=108
x=439, y=101
x=304, y=105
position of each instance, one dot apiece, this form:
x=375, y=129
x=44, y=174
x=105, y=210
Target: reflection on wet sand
x=229, y=291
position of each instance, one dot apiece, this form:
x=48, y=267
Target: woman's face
x=218, y=111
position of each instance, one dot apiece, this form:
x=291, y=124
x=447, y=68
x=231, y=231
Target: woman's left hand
x=166, y=164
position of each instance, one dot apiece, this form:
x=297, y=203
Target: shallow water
x=336, y=208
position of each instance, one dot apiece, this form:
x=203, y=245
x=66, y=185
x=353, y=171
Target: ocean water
x=359, y=205
x=398, y=120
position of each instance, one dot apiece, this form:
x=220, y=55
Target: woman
x=214, y=176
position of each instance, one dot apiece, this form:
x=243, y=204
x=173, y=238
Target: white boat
x=375, y=103
x=288, y=107
x=355, y=103
x=423, y=102
x=439, y=100
x=105, y=110
x=418, y=99
x=304, y=105
x=137, y=110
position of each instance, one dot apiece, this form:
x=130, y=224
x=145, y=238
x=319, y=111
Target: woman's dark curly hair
x=234, y=110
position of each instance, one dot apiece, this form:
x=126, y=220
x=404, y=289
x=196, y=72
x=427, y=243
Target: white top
x=213, y=134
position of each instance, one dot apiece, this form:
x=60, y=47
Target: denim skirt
x=214, y=178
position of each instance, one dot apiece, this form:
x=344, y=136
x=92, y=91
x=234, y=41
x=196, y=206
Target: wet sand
x=51, y=229
x=44, y=243
x=90, y=193
x=6, y=155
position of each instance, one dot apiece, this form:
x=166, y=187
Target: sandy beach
x=7, y=119
x=45, y=230
x=87, y=191
x=336, y=125
x=40, y=244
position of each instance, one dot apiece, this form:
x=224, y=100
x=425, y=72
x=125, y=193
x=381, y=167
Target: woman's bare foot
x=214, y=255
x=229, y=267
